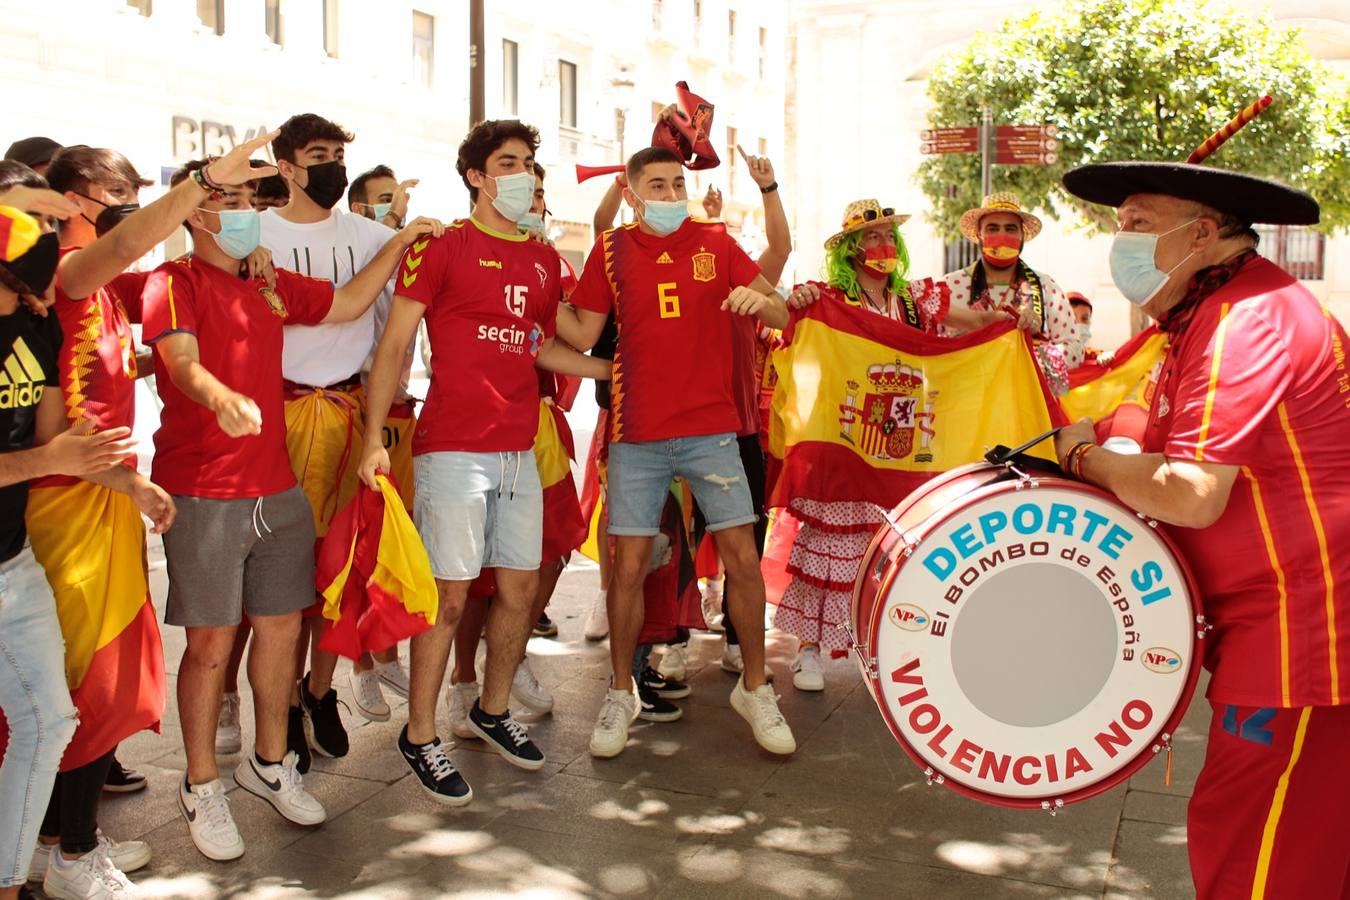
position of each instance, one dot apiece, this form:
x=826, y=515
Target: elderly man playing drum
x=1246, y=451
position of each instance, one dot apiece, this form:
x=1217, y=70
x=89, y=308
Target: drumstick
x=1217, y=139
x=998, y=459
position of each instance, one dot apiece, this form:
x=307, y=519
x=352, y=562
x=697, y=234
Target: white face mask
x=1134, y=268
x=515, y=194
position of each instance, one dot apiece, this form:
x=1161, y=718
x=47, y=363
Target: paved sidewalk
x=691, y=809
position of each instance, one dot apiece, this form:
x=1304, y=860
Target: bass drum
x=1029, y=640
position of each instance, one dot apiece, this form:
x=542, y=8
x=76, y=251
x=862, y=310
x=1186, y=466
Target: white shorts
x=478, y=511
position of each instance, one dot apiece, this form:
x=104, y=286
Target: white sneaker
x=806, y=671
x=91, y=877
x=528, y=692
x=228, y=740
x=209, y=820
x=731, y=658
x=462, y=698
x=368, y=696
x=611, y=729
x=597, y=620
x=760, y=708
x=674, y=662
x=393, y=676
x=128, y=856
x=712, y=608
x=283, y=787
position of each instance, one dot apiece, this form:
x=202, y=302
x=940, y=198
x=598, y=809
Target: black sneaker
x=545, y=626
x=323, y=725
x=654, y=708
x=122, y=780
x=435, y=771
x=507, y=736
x=295, y=739
x=666, y=688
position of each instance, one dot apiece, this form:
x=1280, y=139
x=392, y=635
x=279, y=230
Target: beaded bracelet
x=1073, y=460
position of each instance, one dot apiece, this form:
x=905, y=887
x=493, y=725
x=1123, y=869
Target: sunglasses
x=869, y=215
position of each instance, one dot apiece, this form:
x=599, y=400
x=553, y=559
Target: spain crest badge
x=274, y=301
x=705, y=266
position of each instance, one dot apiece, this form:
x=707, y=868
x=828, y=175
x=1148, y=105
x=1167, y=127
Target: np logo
x=1161, y=660
x=909, y=617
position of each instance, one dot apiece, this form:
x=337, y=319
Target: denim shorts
x=478, y=511
x=640, y=475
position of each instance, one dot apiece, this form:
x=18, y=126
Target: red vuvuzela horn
x=586, y=172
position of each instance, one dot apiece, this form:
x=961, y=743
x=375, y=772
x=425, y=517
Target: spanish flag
x=91, y=542
x=1117, y=395
x=18, y=233
x=374, y=575
x=564, y=526
x=868, y=408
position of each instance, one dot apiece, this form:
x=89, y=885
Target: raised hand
x=236, y=167
x=39, y=202
x=398, y=204
x=712, y=203
x=761, y=169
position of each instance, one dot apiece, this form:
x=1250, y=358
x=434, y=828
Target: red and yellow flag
x=374, y=575
x=564, y=525
x=868, y=409
x=1117, y=395
x=91, y=542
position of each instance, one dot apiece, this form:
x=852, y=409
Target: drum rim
x=867, y=640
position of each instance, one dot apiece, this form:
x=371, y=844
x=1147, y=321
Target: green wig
x=840, y=273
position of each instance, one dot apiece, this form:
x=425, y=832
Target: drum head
x=1035, y=643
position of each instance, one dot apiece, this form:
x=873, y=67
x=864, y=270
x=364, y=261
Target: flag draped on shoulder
x=868, y=408
x=1116, y=395
x=374, y=575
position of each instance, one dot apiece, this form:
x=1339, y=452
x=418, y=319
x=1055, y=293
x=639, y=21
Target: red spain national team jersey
x=1258, y=379
x=492, y=301
x=98, y=356
x=673, y=363
x=237, y=324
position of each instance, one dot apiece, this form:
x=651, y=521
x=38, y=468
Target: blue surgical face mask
x=664, y=216
x=532, y=222
x=515, y=195
x=381, y=210
x=239, y=232
x=1134, y=268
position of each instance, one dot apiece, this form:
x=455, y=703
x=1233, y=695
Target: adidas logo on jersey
x=664, y=259
x=21, y=379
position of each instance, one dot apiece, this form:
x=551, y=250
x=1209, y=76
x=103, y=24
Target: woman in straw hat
x=866, y=266
x=999, y=279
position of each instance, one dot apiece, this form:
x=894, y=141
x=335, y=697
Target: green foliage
x=1142, y=80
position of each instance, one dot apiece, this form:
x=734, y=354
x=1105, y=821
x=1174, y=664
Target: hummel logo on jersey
x=664, y=259
x=490, y=263
x=21, y=378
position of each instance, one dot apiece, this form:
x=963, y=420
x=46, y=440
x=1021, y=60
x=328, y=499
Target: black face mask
x=112, y=216
x=327, y=182
x=36, y=268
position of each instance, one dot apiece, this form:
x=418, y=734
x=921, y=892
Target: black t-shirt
x=28, y=368
x=604, y=349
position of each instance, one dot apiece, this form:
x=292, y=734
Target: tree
x=1145, y=80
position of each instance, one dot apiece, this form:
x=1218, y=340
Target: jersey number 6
x=670, y=302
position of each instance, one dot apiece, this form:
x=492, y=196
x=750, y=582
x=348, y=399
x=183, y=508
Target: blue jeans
x=36, y=702
x=640, y=475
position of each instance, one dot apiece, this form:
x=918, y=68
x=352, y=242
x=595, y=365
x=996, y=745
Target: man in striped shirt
x=1246, y=450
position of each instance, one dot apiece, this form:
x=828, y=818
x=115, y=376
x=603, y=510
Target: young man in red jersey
x=490, y=296
x=671, y=282
x=244, y=537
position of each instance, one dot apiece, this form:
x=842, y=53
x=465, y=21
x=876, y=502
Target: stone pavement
x=691, y=809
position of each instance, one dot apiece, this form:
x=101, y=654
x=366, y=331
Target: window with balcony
x=510, y=77
x=330, y=27
x=272, y=21
x=212, y=14
x=423, y=47
x=567, y=93
x=1298, y=250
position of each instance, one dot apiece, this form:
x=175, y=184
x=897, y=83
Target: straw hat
x=862, y=214
x=999, y=202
